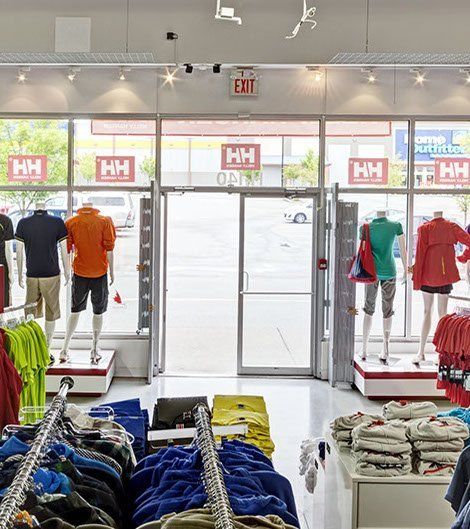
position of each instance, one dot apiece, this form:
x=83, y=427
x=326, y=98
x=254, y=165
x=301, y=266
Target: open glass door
x=276, y=302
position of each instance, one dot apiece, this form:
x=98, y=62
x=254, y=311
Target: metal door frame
x=315, y=303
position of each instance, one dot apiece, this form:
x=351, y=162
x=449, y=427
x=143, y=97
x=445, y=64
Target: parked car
x=118, y=206
x=299, y=213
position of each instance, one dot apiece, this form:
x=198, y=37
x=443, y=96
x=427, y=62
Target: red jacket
x=435, y=263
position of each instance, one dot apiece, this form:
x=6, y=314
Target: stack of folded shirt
x=342, y=427
x=409, y=410
x=242, y=409
x=437, y=443
x=381, y=449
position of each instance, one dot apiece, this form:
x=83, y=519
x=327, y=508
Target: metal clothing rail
x=460, y=298
x=20, y=307
x=213, y=476
x=16, y=495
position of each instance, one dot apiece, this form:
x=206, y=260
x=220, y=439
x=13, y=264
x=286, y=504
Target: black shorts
x=98, y=287
x=444, y=289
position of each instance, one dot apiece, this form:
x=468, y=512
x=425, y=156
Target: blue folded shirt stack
x=170, y=481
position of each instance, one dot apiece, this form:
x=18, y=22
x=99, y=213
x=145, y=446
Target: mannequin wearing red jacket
x=435, y=269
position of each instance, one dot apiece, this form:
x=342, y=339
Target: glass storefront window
x=124, y=210
x=32, y=153
x=366, y=154
x=442, y=154
x=456, y=208
x=240, y=153
x=114, y=152
x=395, y=205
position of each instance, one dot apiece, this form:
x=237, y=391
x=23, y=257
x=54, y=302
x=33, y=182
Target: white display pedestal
x=399, y=380
x=353, y=501
x=90, y=380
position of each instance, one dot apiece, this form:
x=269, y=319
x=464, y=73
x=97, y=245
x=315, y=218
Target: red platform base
x=399, y=379
x=89, y=380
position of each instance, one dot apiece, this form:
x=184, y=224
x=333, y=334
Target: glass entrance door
x=276, y=300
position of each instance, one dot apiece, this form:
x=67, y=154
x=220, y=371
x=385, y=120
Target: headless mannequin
x=49, y=326
x=9, y=260
x=97, y=320
x=387, y=322
x=428, y=299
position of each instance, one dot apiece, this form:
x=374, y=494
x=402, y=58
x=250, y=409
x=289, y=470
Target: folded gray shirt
x=409, y=410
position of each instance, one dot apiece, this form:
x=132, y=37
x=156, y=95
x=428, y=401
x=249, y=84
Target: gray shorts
x=388, y=288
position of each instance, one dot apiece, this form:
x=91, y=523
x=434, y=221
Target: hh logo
x=363, y=171
x=452, y=171
x=115, y=169
x=27, y=168
x=237, y=156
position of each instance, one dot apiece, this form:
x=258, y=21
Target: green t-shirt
x=382, y=237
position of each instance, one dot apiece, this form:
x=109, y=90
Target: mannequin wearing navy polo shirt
x=40, y=235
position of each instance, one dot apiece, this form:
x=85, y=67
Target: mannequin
x=6, y=256
x=435, y=270
x=383, y=233
x=91, y=237
x=40, y=234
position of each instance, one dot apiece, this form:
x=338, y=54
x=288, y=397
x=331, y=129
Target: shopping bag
x=363, y=266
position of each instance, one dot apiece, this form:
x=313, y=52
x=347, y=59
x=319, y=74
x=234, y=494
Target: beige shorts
x=47, y=290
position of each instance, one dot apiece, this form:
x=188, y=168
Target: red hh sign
x=366, y=171
x=115, y=169
x=452, y=171
x=27, y=168
x=237, y=156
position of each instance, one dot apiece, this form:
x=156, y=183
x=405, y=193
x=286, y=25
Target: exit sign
x=244, y=83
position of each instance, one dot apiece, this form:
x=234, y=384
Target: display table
x=400, y=379
x=90, y=380
x=353, y=501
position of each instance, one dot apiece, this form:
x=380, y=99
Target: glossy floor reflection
x=298, y=409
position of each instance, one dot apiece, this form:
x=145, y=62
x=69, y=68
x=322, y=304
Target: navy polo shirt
x=40, y=233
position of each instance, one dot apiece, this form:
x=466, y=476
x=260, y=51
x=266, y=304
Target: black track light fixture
x=216, y=68
x=189, y=68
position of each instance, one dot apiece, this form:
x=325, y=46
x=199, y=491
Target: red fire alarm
x=322, y=264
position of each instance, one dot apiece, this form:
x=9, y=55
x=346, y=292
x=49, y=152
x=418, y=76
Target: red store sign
x=115, y=169
x=452, y=171
x=236, y=156
x=27, y=168
x=368, y=171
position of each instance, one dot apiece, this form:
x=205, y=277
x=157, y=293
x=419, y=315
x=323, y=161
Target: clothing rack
x=25, y=306
x=460, y=298
x=16, y=494
x=213, y=477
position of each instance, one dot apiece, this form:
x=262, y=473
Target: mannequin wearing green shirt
x=383, y=233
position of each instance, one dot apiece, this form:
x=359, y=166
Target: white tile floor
x=298, y=409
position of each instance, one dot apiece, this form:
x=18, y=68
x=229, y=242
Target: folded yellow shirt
x=240, y=402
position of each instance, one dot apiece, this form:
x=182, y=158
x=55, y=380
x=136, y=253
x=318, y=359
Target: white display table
x=90, y=380
x=353, y=501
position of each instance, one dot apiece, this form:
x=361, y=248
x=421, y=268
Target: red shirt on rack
x=435, y=263
x=10, y=389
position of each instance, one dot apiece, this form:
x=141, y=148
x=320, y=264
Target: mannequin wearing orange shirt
x=91, y=239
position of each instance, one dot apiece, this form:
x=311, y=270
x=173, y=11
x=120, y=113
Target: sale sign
x=115, y=169
x=27, y=168
x=452, y=171
x=237, y=156
x=367, y=171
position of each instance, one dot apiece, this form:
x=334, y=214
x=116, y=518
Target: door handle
x=247, y=276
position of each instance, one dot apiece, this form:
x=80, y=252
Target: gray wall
x=285, y=92
x=395, y=25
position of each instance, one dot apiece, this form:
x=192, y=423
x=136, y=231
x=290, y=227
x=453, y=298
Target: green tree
x=148, y=167
x=85, y=166
x=396, y=174
x=35, y=137
x=250, y=178
x=463, y=202
x=304, y=173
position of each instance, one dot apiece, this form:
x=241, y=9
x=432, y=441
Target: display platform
x=353, y=501
x=89, y=380
x=399, y=379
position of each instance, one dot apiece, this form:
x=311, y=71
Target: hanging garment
x=10, y=389
x=435, y=263
x=6, y=234
x=90, y=236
